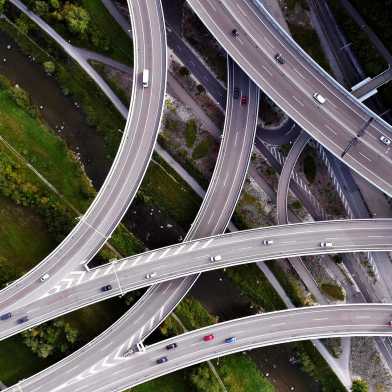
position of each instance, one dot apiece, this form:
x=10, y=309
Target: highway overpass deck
x=129, y=166
x=76, y=291
x=291, y=86
x=114, y=374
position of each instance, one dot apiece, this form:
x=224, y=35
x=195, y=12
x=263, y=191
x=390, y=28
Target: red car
x=207, y=338
x=244, y=100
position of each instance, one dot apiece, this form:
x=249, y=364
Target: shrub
x=332, y=290
x=50, y=67
x=190, y=133
x=202, y=149
x=360, y=386
x=51, y=338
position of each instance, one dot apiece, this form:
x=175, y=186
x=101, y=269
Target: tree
x=21, y=97
x=2, y=5
x=55, y=4
x=77, y=18
x=23, y=24
x=203, y=379
x=50, y=67
x=200, y=89
x=360, y=386
x=184, y=71
x=50, y=338
x=41, y=8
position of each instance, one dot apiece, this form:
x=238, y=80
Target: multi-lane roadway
x=222, y=195
x=121, y=185
x=292, y=85
x=249, y=332
x=76, y=291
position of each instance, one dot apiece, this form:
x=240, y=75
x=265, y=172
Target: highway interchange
x=129, y=166
x=75, y=291
x=78, y=287
x=292, y=85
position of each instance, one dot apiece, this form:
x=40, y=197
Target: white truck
x=146, y=77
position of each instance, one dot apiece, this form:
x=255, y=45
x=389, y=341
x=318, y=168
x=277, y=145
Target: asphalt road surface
x=76, y=291
x=291, y=86
x=120, y=373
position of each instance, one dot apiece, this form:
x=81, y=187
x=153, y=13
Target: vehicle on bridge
x=162, y=360
x=146, y=77
x=385, y=140
x=326, y=244
x=319, y=98
x=6, y=316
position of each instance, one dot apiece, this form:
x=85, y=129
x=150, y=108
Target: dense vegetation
x=86, y=23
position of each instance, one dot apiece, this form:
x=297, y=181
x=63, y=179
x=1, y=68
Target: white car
x=385, y=140
x=216, y=258
x=319, y=98
x=268, y=242
x=326, y=244
x=151, y=275
x=44, y=277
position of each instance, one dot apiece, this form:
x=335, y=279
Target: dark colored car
x=234, y=33
x=106, y=288
x=236, y=93
x=244, y=100
x=279, y=59
x=162, y=360
x=232, y=339
x=171, y=346
x=5, y=316
x=207, y=338
x=23, y=319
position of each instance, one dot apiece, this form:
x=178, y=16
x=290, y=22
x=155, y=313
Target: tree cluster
x=14, y=186
x=54, y=337
x=70, y=15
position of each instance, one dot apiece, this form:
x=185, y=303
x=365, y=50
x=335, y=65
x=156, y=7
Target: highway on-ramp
x=291, y=86
x=189, y=258
x=127, y=171
x=249, y=332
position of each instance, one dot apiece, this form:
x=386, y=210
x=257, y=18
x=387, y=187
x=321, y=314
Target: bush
x=297, y=205
x=54, y=337
x=184, y=71
x=202, y=149
x=332, y=290
x=50, y=67
x=77, y=18
x=190, y=133
x=360, y=386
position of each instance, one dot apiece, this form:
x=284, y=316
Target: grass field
x=120, y=44
x=17, y=361
x=23, y=236
x=44, y=151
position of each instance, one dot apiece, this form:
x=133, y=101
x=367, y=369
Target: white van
x=326, y=244
x=44, y=277
x=319, y=98
x=146, y=77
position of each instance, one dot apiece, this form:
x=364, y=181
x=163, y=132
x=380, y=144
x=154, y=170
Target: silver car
x=385, y=140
